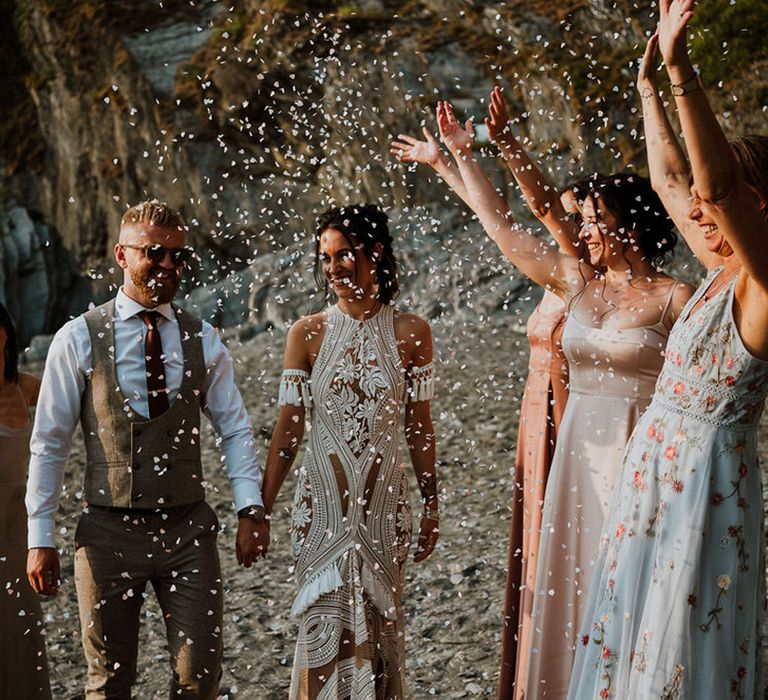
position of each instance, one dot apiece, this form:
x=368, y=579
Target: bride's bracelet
x=432, y=514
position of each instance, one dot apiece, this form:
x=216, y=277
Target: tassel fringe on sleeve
x=420, y=385
x=294, y=389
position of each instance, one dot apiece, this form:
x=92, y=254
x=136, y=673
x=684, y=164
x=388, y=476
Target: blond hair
x=154, y=213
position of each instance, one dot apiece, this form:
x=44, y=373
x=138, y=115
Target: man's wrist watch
x=688, y=86
x=255, y=513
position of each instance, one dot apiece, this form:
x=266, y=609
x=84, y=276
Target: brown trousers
x=117, y=553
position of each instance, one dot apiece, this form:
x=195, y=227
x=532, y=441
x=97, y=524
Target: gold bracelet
x=432, y=514
x=689, y=85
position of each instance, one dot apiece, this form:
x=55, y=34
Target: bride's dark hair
x=362, y=225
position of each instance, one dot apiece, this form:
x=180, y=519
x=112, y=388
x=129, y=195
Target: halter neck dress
x=612, y=375
x=351, y=524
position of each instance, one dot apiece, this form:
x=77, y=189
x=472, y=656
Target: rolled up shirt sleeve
x=225, y=409
x=56, y=418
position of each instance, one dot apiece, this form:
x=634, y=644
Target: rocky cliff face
x=39, y=280
x=252, y=115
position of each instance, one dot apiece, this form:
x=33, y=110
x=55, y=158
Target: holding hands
x=252, y=539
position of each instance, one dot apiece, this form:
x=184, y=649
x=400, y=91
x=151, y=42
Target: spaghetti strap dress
x=677, y=600
x=612, y=375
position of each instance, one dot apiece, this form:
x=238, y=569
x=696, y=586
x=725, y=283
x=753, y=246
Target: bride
x=353, y=367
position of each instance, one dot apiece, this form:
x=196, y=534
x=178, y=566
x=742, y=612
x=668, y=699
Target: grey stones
x=39, y=283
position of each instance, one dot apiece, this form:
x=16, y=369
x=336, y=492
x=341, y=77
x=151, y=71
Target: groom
x=136, y=373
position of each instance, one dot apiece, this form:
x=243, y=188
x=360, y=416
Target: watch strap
x=688, y=86
x=255, y=513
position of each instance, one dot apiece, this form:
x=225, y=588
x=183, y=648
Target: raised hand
x=674, y=16
x=428, y=534
x=410, y=150
x=646, y=78
x=498, y=125
x=457, y=139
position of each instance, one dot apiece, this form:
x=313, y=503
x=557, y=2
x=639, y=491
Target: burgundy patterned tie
x=153, y=356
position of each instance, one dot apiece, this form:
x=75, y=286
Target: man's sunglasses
x=156, y=253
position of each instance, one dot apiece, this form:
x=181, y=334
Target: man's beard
x=160, y=291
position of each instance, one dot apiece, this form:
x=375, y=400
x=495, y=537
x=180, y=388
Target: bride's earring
x=376, y=285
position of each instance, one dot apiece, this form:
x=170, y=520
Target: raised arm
x=540, y=194
x=667, y=164
x=428, y=152
x=289, y=430
x=717, y=176
x=534, y=258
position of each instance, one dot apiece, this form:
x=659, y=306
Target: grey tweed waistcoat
x=133, y=461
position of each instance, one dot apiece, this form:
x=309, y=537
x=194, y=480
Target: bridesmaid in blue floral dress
x=675, y=605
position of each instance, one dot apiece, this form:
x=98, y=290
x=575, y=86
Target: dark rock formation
x=252, y=115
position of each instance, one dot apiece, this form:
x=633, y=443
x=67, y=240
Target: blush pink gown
x=546, y=392
x=612, y=376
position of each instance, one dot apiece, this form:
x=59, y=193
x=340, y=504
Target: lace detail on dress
x=294, y=389
x=421, y=384
x=357, y=385
x=351, y=525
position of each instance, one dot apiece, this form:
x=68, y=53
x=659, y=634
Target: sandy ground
x=453, y=601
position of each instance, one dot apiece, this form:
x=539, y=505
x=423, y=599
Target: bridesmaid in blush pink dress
x=544, y=398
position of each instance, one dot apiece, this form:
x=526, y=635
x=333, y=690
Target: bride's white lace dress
x=351, y=524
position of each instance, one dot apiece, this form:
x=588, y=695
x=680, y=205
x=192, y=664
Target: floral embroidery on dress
x=723, y=584
x=691, y=489
x=737, y=683
x=301, y=514
x=673, y=688
x=358, y=381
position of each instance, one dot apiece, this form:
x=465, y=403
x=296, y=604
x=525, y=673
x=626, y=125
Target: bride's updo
x=363, y=225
